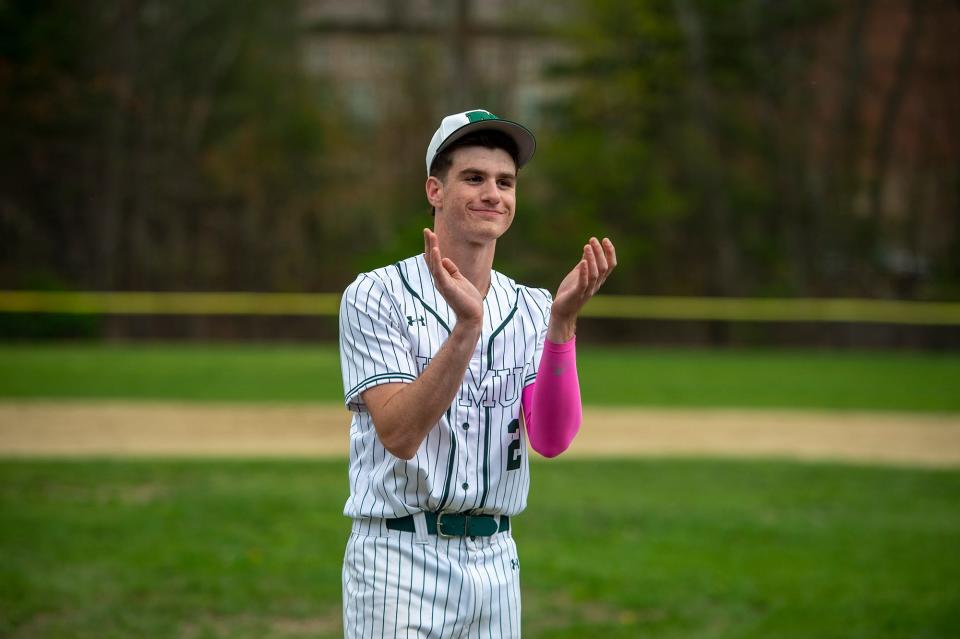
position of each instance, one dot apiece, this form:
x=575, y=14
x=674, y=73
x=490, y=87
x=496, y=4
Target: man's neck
x=475, y=261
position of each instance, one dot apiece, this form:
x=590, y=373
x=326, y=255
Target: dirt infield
x=179, y=429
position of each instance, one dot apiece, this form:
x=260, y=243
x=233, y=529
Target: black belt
x=454, y=524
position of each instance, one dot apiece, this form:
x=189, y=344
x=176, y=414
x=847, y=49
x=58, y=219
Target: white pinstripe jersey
x=392, y=323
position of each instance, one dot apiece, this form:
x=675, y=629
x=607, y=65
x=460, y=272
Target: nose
x=490, y=193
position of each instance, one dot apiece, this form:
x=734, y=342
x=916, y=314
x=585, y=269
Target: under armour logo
x=515, y=564
x=421, y=320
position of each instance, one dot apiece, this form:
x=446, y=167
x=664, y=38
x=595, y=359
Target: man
x=440, y=356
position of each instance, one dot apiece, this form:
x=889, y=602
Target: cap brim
x=526, y=143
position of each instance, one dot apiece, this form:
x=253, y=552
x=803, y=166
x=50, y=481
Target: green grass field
x=652, y=548
x=624, y=376
x=681, y=548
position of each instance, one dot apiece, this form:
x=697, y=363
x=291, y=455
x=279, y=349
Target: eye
x=505, y=183
x=474, y=179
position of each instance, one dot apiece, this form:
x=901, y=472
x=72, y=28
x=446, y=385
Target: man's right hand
x=404, y=414
x=459, y=292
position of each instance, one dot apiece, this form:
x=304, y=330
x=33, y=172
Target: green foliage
x=615, y=549
x=41, y=326
x=181, y=145
x=45, y=326
x=729, y=147
x=673, y=143
x=625, y=376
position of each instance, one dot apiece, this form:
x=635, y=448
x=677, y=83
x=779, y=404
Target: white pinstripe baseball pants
x=394, y=587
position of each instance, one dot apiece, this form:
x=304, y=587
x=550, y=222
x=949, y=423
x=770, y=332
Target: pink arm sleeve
x=551, y=405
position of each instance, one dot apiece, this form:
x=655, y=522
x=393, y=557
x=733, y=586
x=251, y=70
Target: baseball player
x=450, y=369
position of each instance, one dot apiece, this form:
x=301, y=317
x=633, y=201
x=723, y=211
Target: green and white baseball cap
x=453, y=127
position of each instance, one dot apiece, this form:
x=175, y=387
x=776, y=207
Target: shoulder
x=386, y=279
x=382, y=287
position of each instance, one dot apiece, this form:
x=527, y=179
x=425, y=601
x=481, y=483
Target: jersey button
x=466, y=485
x=466, y=426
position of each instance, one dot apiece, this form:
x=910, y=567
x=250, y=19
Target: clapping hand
x=580, y=284
x=461, y=295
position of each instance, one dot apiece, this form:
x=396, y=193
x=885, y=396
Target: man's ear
x=434, y=189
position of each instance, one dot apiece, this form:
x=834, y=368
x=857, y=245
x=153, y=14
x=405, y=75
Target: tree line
x=737, y=148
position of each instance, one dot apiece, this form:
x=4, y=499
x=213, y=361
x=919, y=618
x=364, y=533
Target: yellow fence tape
x=604, y=306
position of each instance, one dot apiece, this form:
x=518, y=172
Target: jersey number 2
x=513, y=450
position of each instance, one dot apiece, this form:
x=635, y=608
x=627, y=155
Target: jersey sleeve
x=540, y=302
x=373, y=348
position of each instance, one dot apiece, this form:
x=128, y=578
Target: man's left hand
x=580, y=284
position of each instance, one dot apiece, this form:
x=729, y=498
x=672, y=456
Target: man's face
x=476, y=201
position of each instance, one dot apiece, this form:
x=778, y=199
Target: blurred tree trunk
x=121, y=69
x=706, y=161
x=461, y=76
x=888, y=120
x=840, y=233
